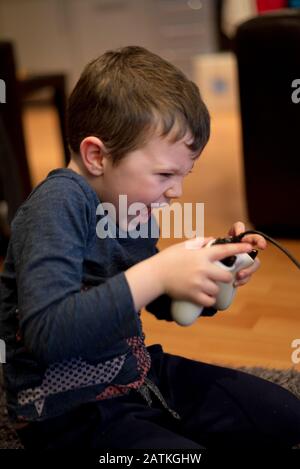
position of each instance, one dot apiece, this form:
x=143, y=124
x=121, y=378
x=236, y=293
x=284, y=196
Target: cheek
x=146, y=190
x=154, y=191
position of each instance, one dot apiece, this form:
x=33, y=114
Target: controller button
x=253, y=254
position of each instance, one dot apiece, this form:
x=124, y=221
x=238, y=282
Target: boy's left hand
x=258, y=242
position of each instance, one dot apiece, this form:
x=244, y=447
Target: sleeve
x=161, y=306
x=57, y=320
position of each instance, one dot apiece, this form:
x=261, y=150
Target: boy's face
x=151, y=174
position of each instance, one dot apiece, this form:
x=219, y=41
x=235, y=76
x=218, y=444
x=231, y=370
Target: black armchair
x=267, y=50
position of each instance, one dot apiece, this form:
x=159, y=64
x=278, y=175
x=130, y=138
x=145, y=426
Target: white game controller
x=185, y=313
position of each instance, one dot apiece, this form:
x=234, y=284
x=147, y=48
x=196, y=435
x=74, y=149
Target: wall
x=63, y=35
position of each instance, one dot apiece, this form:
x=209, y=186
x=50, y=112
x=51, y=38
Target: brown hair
x=125, y=94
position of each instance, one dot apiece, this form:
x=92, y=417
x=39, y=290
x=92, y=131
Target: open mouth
x=148, y=210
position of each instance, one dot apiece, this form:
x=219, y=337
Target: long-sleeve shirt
x=67, y=317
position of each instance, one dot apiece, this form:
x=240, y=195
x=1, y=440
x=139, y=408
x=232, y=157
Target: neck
x=78, y=168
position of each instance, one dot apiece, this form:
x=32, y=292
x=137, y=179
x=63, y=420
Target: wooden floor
x=264, y=319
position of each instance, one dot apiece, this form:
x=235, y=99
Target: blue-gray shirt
x=67, y=313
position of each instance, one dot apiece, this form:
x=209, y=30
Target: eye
x=165, y=174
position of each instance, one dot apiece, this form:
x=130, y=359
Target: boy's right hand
x=188, y=270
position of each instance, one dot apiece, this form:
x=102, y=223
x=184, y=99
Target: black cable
x=292, y=258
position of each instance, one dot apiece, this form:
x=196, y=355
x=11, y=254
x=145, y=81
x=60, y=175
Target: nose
x=174, y=191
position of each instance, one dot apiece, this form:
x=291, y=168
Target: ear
x=93, y=155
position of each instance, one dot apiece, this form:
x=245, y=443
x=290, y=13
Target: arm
x=57, y=320
x=184, y=271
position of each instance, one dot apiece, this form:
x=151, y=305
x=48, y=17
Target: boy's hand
x=258, y=242
x=187, y=271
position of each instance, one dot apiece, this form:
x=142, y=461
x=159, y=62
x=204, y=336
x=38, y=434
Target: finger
x=218, y=274
x=197, y=243
x=205, y=300
x=237, y=228
x=207, y=240
x=240, y=283
x=210, y=288
x=221, y=251
x=249, y=271
x=256, y=241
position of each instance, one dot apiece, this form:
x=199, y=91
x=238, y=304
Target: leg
x=115, y=423
x=71, y=430
x=143, y=427
x=224, y=406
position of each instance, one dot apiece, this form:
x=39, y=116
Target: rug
x=289, y=379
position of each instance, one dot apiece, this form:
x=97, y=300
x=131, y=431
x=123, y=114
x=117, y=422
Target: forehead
x=164, y=150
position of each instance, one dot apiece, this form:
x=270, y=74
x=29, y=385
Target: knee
x=279, y=415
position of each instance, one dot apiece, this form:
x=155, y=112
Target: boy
x=78, y=373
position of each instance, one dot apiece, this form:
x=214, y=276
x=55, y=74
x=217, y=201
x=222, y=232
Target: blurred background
x=244, y=56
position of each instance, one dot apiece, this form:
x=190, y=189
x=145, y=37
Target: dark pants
x=219, y=407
